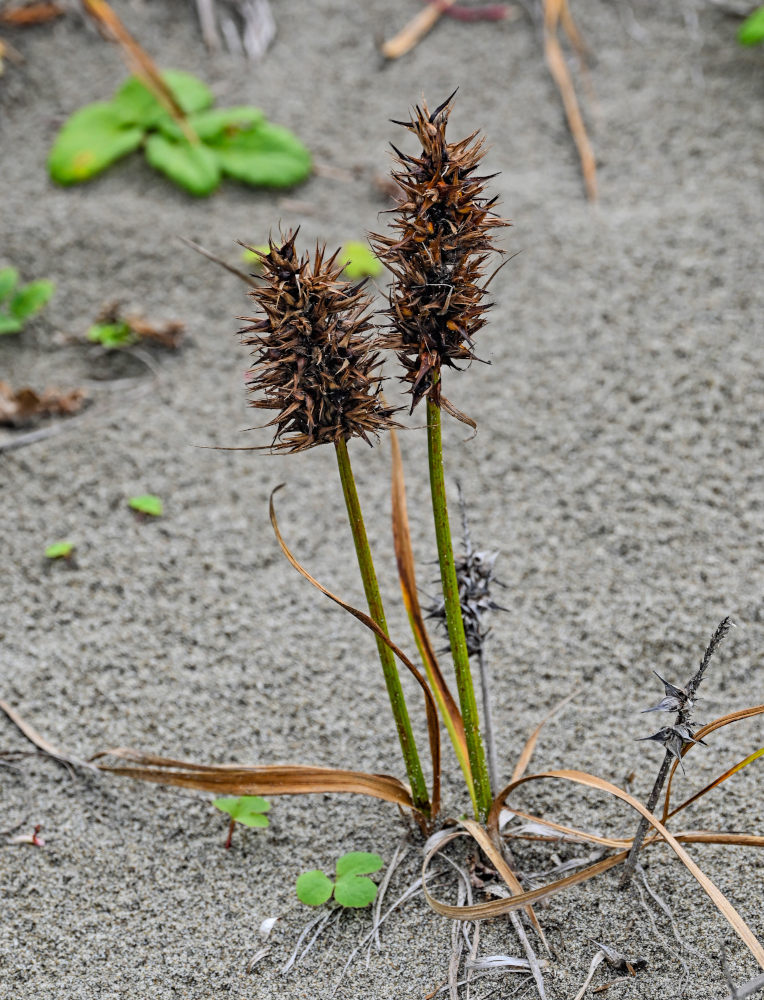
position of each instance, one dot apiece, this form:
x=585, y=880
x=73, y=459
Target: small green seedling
x=147, y=504
x=17, y=305
x=360, y=261
x=112, y=335
x=209, y=144
x=60, y=550
x=752, y=29
x=247, y=809
x=350, y=888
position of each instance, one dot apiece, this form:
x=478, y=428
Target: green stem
x=454, y=613
x=377, y=612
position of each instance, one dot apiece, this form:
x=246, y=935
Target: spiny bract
x=315, y=361
x=444, y=238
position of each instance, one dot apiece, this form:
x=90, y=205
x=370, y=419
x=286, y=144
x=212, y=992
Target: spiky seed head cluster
x=475, y=576
x=443, y=239
x=315, y=360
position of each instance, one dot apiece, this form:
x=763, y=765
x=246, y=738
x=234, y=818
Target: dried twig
x=557, y=12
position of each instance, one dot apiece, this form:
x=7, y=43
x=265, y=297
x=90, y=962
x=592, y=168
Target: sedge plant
x=317, y=352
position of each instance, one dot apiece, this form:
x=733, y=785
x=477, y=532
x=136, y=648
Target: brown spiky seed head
x=315, y=360
x=443, y=239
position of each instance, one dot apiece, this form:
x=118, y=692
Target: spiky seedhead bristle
x=315, y=360
x=438, y=254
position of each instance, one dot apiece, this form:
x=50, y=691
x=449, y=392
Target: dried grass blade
x=404, y=557
x=237, y=779
x=715, y=837
x=30, y=13
x=496, y=907
x=711, y=727
x=527, y=752
x=39, y=741
x=489, y=848
x=433, y=728
x=139, y=61
x=553, y=11
x=717, y=781
x=410, y=36
x=598, y=959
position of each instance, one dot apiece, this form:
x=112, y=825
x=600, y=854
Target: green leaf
x=192, y=167
x=247, y=809
x=751, y=31
x=216, y=124
x=31, y=298
x=264, y=156
x=355, y=891
x=89, y=141
x=314, y=888
x=147, y=504
x=9, y=324
x=360, y=261
x=358, y=863
x=111, y=334
x=9, y=278
x=136, y=105
x=59, y=550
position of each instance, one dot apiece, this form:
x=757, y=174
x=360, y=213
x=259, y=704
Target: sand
x=617, y=469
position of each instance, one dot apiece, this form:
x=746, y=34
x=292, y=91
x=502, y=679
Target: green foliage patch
x=212, y=142
x=350, y=888
x=17, y=305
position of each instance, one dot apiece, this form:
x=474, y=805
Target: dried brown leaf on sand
x=21, y=407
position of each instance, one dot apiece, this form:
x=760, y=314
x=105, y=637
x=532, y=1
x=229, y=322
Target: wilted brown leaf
x=20, y=407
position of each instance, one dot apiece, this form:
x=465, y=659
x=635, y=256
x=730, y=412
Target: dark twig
x=675, y=738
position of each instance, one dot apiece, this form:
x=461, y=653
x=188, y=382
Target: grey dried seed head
x=676, y=699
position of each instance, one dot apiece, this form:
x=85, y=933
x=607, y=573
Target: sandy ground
x=618, y=469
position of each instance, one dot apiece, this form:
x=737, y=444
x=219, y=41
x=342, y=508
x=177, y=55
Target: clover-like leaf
x=355, y=891
x=264, y=156
x=135, y=104
x=246, y=809
x=351, y=888
x=31, y=298
x=751, y=31
x=190, y=165
x=59, y=550
x=314, y=888
x=360, y=261
x=111, y=334
x=147, y=503
x=358, y=863
x=9, y=278
x=89, y=141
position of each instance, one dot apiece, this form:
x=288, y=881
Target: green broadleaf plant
x=18, y=304
x=350, y=888
x=111, y=335
x=59, y=550
x=213, y=142
x=147, y=503
x=360, y=261
x=752, y=29
x=246, y=809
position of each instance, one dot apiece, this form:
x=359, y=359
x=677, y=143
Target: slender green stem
x=454, y=613
x=377, y=612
